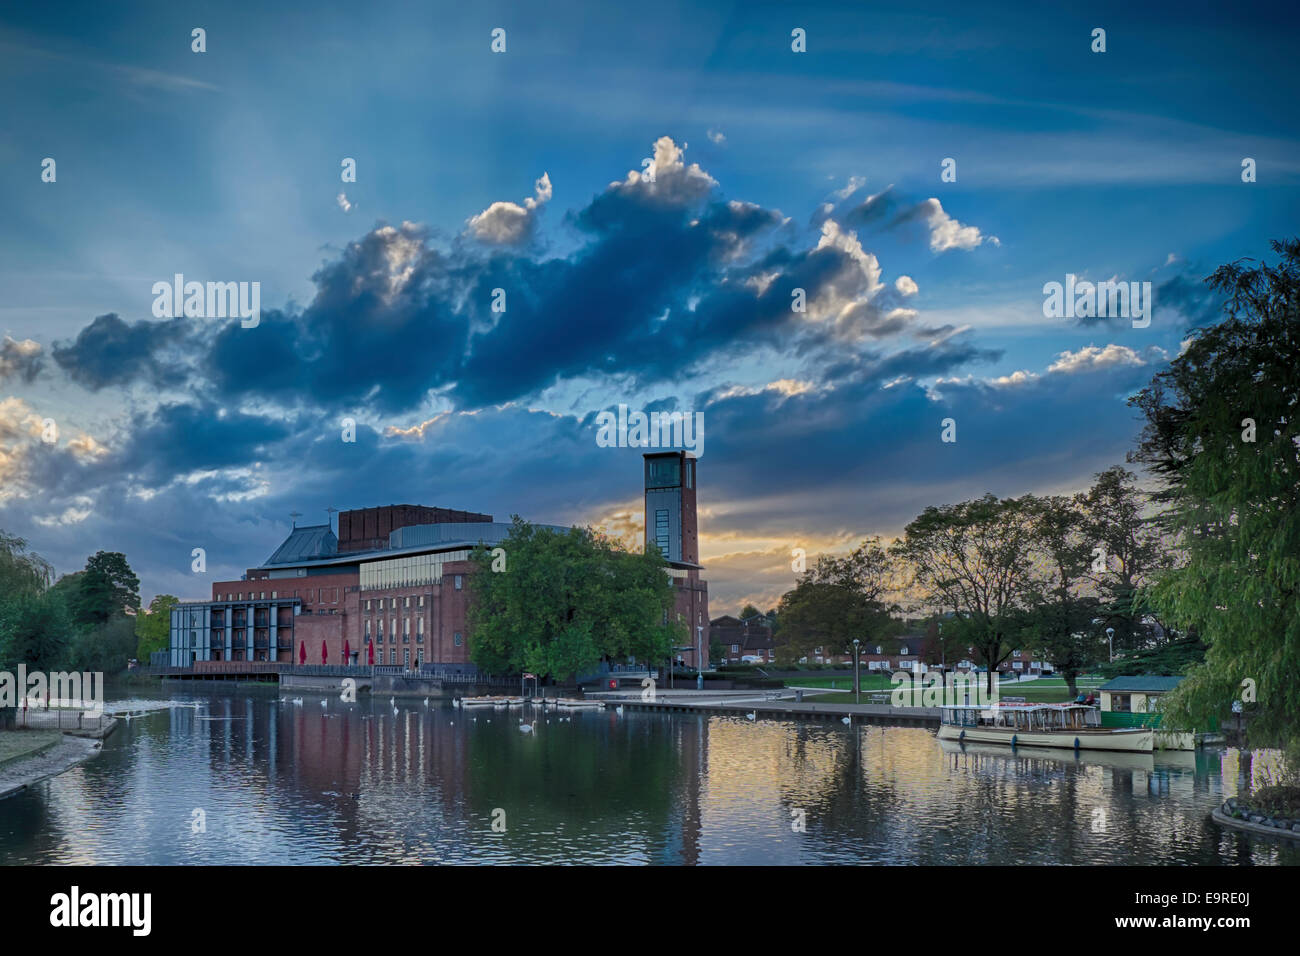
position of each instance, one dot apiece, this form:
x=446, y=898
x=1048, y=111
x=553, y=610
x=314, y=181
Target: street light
x=857, y=682
x=1110, y=636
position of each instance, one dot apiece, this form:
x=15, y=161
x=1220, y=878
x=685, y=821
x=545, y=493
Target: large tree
x=556, y=603
x=1222, y=431
x=839, y=599
x=975, y=560
x=1060, y=621
x=1132, y=552
x=23, y=573
x=107, y=589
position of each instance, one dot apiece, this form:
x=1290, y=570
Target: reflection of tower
x=672, y=527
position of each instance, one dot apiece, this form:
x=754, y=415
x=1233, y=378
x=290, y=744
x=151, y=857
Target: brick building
x=394, y=580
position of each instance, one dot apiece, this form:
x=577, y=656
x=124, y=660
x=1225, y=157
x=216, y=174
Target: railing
x=57, y=718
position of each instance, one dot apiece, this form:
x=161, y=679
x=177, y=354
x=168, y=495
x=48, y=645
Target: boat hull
x=1134, y=740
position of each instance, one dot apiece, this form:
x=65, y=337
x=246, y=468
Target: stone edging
x=1218, y=815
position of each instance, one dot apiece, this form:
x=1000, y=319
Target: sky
x=649, y=186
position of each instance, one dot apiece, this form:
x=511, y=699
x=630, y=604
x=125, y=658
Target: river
x=250, y=778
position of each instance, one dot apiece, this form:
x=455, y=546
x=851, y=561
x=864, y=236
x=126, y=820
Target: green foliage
x=105, y=648
x=976, y=559
x=1115, y=520
x=1234, y=502
x=837, y=600
x=1173, y=657
x=565, y=601
x=23, y=573
x=106, y=589
x=153, y=630
x=34, y=631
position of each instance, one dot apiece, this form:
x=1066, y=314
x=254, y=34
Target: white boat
x=577, y=703
x=1058, y=726
x=491, y=700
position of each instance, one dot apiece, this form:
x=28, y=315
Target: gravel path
x=63, y=756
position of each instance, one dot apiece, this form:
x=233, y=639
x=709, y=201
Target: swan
x=619, y=710
x=751, y=716
x=525, y=728
x=426, y=702
x=846, y=720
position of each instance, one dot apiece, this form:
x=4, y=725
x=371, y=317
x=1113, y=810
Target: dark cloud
x=111, y=351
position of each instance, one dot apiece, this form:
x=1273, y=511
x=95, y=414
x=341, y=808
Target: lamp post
x=1110, y=637
x=699, y=659
x=857, y=682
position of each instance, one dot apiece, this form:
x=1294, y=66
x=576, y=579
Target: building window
x=380, y=623
x=419, y=630
x=392, y=656
x=406, y=658
x=367, y=604
x=1120, y=703
x=459, y=581
x=273, y=594
x=421, y=600
x=367, y=628
x=458, y=639
x=735, y=648
x=661, y=530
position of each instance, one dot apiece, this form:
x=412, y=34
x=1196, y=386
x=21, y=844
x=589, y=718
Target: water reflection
x=286, y=782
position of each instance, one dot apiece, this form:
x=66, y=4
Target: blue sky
x=775, y=169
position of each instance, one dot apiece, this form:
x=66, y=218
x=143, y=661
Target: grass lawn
x=19, y=743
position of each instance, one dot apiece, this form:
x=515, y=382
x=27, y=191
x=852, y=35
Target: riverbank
x=49, y=758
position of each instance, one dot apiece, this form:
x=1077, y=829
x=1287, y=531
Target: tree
x=749, y=611
x=1222, y=432
x=23, y=573
x=34, y=631
x=1132, y=550
x=837, y=600
x=974, y=559
x=1059, y=620
x=106, y=648
x=107, y=588
x=153, y=629
x=565, y=600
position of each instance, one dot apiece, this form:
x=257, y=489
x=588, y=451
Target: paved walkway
x=65, y=755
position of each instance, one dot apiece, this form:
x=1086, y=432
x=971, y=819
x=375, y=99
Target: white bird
x=846, y=720
x=426, y=702
x=394, y=711
x=297, y=700
x=751, y=716
x=525, y=728
x=618, y=709
x=392, y=700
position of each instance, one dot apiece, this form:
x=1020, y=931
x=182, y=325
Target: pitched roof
x=1141, y=683
x=306, y=544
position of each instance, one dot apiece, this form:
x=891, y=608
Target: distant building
x=393, y=582
x=750, y=639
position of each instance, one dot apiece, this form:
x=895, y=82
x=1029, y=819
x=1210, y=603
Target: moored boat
x=1058, y=726
x=491, y=700
x=577, y=703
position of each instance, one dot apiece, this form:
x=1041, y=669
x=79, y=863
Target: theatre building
x=393, y=583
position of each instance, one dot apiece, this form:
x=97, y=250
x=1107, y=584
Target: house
x=743, y=640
